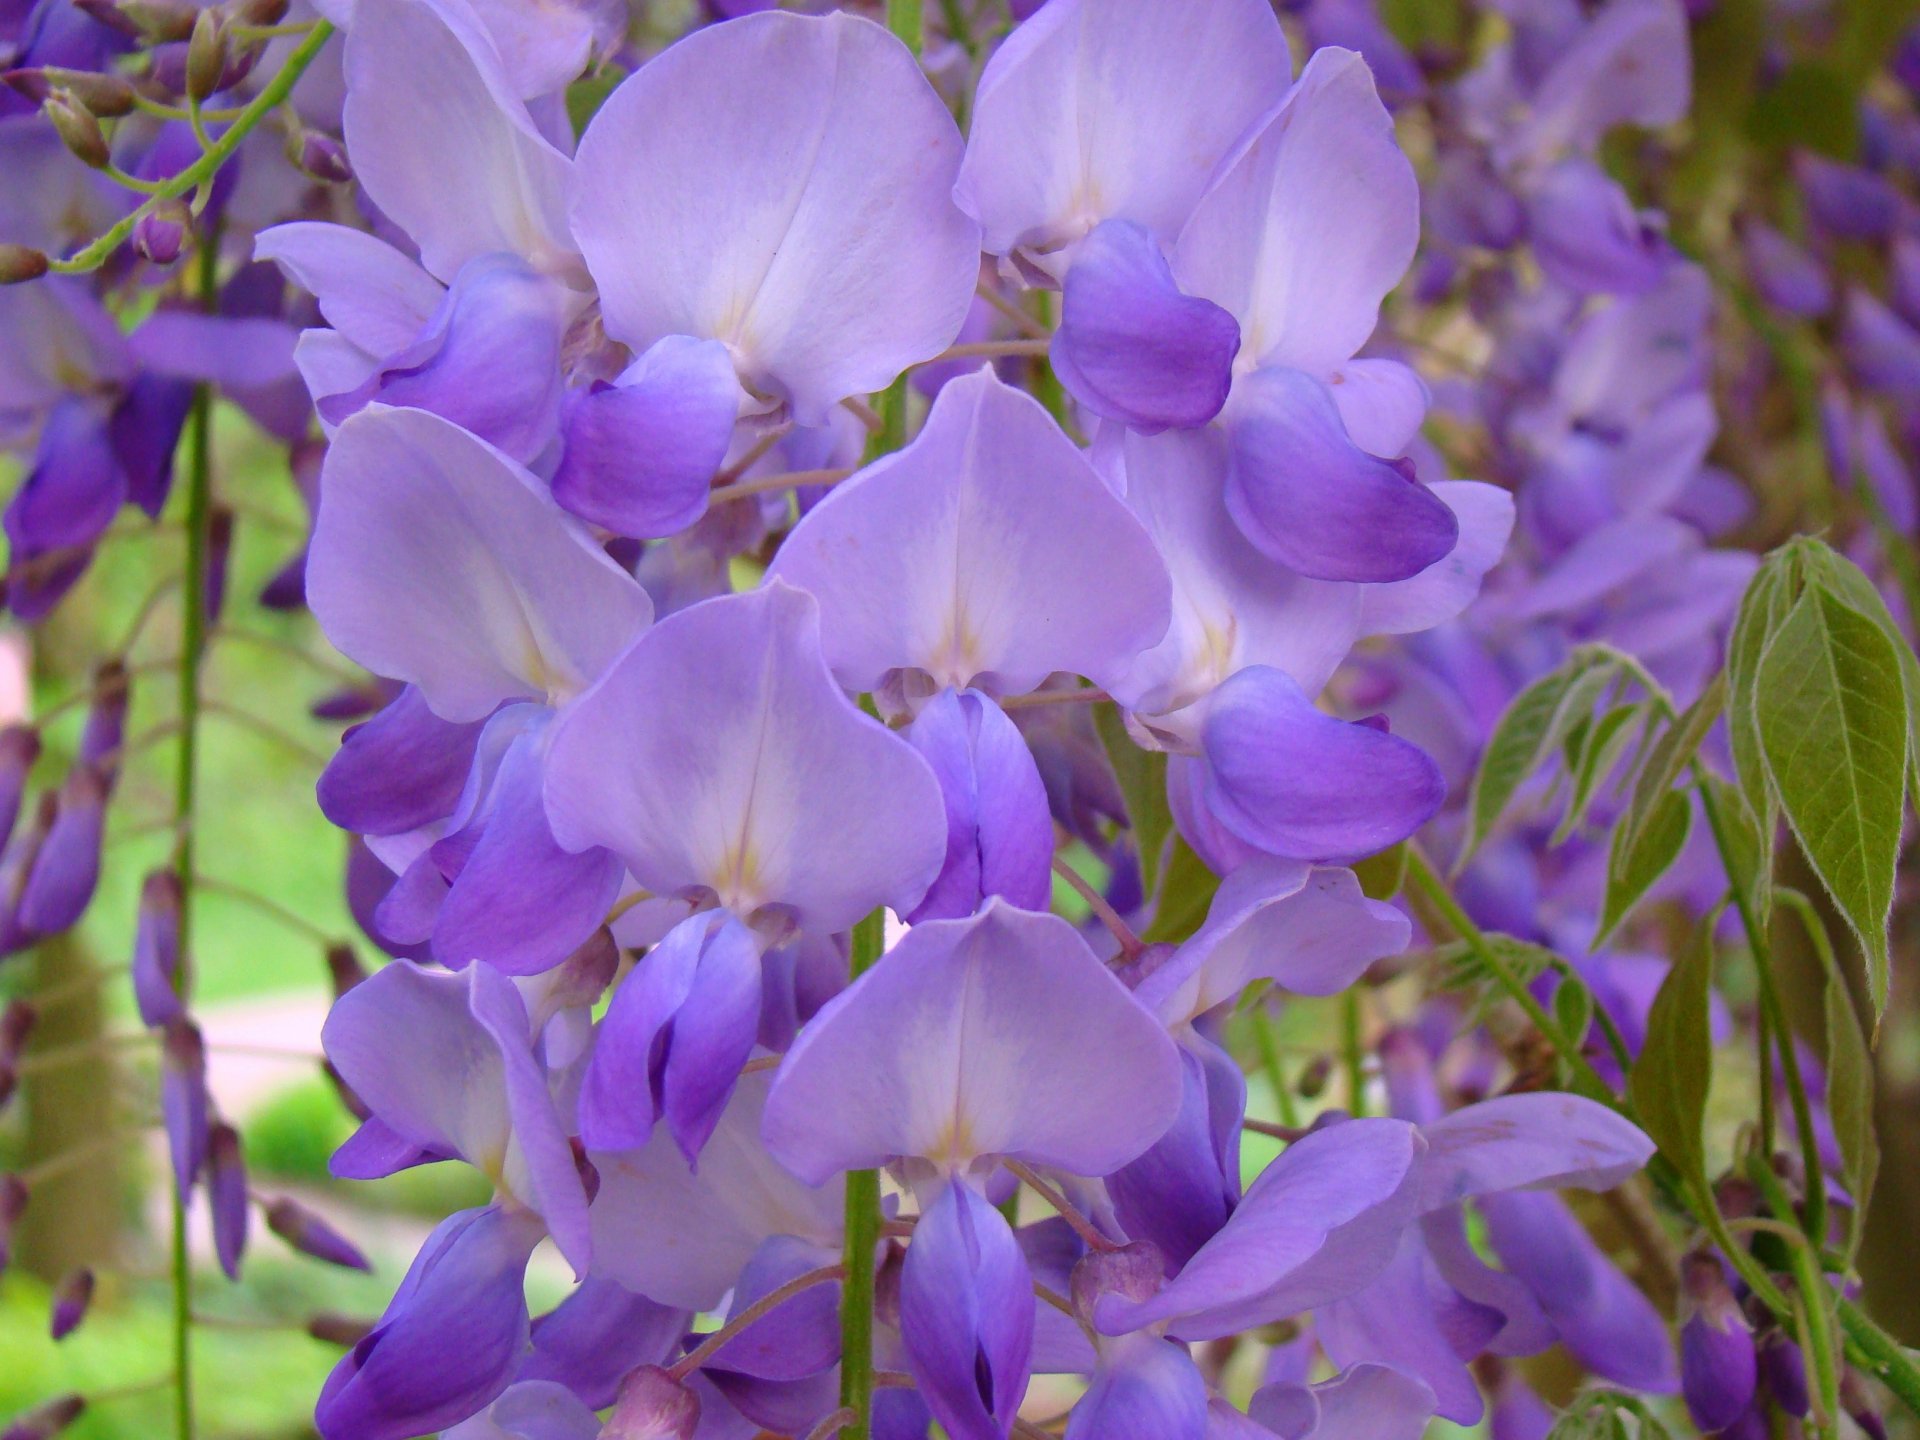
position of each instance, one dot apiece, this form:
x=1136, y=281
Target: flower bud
x=310, y=1235
x=71, y=1297
x=67, y=867
x=151, y=20
x=322, y=157
x=156, y=951
x=161, y=234
x=346, y=1331
x=1314, y=1078
x=21, y=262
x=257, y=12
x=44, y=1421
x=1784, y=1370
x=1717, y=1362
x=183, y=1100
x=1855, y=1400
x=105, y=95
x=652, y=1405
x=1134, y=1272
x=219, y=555
x=13, y=1204
x=206, y=56
x=343, y=965
x=227, y=1192
x=77, y=128
x=106, y=727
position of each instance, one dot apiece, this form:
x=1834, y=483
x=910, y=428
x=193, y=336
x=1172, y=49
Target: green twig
x=862, y=1235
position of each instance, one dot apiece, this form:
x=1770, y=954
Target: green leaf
x=1668, y=1085
x=1762, y=608
x=1850, y=1102
x=1573, y=1007
x=586, y=96
x=1831, y=710
x=1673, y=752
x=1637, y=858
x=1381, y=875
x=1143, y=785
x=1186, y=891
x=1602, y=743
x=1851, y=584
x=1535, y=723
x=1743, y=849
x=1608, y=1415
x=1459, y=968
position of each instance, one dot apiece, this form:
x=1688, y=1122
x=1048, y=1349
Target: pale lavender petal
x=1362, y=1402
x=235, y=353
x=530, y=1410
x=1309, y=225
x=1786, y=276
x=1588, y=237
x=966, y=1315
x=1293, y=781
x=1130, y=346
x=1485, y=515
x=781, y=184
x=752, y=776
x=641, y=453
x=1631, y=65
x=445, y=148
x=1382, y=404
x=1086, y=113
x=987, y=555
x=1145, y=1389
x=1308, y=497
x=999, y=829
x=1538, y=1140
x=369, y=292
x=438, y=561
x=597, y=1334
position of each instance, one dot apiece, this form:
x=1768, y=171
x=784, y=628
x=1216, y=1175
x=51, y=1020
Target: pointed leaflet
x=1831, y=712
x=1640, y=856
x=1668, y=1086
x=1762, y=609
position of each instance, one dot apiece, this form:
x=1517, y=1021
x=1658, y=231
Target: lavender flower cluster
x=897, y=653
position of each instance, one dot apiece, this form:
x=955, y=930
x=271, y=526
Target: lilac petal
x=1145, y=1389
x=376, y=1150
x=1309, y=224
x=1587, y=235
x=674, y=1038
x=1382, y=404
x=796, y=1339
x=988, y=554
x=1086, y=113
x=1292, y=781
x=530, y=1410
x=1538, y=1140
x=1847, y=201
x=1181, y=1191
x=1409, y=1318
x=402, y=769
x=1307, y=496
x=145, y=430
x=966, y=1314
x=519, y=901
x=1232, y=606
x=545, y=48
x=307, y=1233
x=444, y=147
x=156, y=950
x=1602, y=1317
x=1319, y=1222
x=67, y=867
x=999, y=830
x=641, y=453
x=1883, y=349
x=235, y=353
x=438, y=561
x=1525, y=1328
x=1130, y=346
x=825, y=250
x=1717, y=1368
x=1787, y=277
x=1309, y=929
x=1436, y=594
x=369, y=292
x=597, y=1334
x=449, y=1342
x=488, y=359
x=1630, y=65
x=74, y=489
x=1362, y=1402
x=1887, y=474
x=227, y=1197
x=183, y=1100
x=718, y=1215
x=1000, y=1034
x=751, y=776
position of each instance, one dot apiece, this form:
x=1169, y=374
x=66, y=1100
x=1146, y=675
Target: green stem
x=1353, y=1053
x=1804, y=1261
x=1878, y=1353
x=905, y=18
x=1276, y=1072
x=193, y=628
x=862, y=1235
x=93, y=256
x=1775, y=1016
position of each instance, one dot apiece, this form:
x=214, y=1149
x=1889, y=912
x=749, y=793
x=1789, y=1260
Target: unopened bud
x=153, y=20
x=44, y=1421
x=161, y=234
x=343, y=965
x=71, y=1297
x=258, y=12
x=105, y=95
x=346, y=1331
x=227, y=1194
x=1314, y=1078
x=652, y=1405
x=21, y=262
x=322, y=157
x=77, y=128
x=206, y=56
x=310, y=1235
x=1133, y=1272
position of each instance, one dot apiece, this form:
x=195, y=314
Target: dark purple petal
x=1305, y=495
x=145, y=430
x=1181, y=1191
x=400, y=770
x=641, y=453
x=1131, y=347
x=597, y=1334
x=377, y=1150
x=183, y=1100
x=67, y=867
x=999, y=829
x=1718, y=1366
x=71, y=1297
x=227, y=1197
x=966, y=1315
x=449, y=1342
x=310, y=1235
x=1292, y=781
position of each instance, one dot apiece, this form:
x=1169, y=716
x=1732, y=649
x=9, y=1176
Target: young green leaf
x=1594, y=760
x=1850, y=583
x=1831, y=711
x=1668, y=1085
x=1637, y=858
x=1186, y=890
x=1850, y=1103
x=1381, y=875
x=1142, y=775
x=1673, y=752
x=1769, y=596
